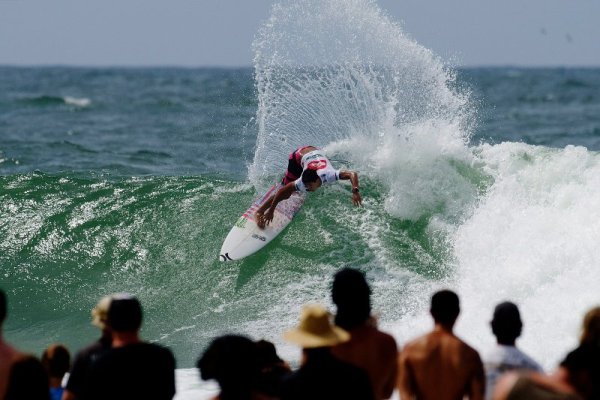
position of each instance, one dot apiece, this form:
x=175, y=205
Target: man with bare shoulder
x=368, y=348
x=438, y=365
x=8, y=354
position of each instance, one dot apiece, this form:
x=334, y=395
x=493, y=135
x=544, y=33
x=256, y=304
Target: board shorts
x=294, y=169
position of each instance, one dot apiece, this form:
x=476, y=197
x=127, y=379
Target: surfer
x=307, y=170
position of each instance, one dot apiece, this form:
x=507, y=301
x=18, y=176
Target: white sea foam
x=533, y=239
x=77, y=101
x=517, y=222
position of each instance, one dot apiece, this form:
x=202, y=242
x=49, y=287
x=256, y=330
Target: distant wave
x=44, y=100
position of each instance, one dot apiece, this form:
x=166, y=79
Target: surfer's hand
x=356, y=199
x=263, y=220
x=259, y=218
x=267, y=217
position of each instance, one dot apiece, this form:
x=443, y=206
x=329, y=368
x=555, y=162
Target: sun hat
x=100, y=312
x=315, y=329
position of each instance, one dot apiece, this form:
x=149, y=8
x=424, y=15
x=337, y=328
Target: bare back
x=8, y=355
x=375, y=352
x=439, y=366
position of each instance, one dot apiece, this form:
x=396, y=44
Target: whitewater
x=509, y=221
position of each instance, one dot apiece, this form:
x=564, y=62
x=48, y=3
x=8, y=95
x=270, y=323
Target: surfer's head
x=311, y=180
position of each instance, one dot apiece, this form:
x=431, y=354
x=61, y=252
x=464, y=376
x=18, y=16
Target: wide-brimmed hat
x=100, y=312
x=315, y=329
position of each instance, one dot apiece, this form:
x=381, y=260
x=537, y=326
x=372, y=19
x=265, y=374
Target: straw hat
x=316, y=330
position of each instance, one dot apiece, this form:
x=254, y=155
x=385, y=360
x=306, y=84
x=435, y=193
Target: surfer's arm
x=353, y=177
x=264, y=214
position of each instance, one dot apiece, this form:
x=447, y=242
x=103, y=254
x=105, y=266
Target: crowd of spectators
x=344, y=356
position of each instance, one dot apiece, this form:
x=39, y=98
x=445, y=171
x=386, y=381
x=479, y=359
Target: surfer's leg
x=294, y=169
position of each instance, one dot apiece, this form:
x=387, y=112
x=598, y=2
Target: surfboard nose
x=225, y=257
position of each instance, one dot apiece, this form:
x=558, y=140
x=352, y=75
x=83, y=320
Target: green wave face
x=66, y=242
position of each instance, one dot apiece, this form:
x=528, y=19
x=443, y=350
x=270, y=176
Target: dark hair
x=272, y=369
x=231, y=360
x=350, y=292
x=57, y=360
x=445, y=307
x=266, y=354
x=3, y=306
x=506, y=323
x=27, y=380
x=125, y=314
x=309, y=175
x=591, y=327
x=584, y=370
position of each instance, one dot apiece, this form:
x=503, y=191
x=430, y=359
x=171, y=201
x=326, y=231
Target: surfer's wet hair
x=309, y=176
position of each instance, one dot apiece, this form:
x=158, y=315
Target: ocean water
x=483, y=180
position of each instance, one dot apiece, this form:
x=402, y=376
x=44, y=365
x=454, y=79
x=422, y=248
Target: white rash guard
x=317, y=161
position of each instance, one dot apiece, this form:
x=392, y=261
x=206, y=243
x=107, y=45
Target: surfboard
x=246, y=238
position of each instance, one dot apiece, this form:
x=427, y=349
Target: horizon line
x=234, y=67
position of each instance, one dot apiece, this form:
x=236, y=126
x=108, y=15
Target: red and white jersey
x=317, y=161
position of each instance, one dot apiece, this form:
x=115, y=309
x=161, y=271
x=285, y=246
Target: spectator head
x=315, y=329
x=100, y=312
x=591, y=327
x=27, y=380
x=584, y=370
x=231, y=360
x=445, y=307
x=267, y=354
x=272, y=370
x=3, y=307
x=351, y=294
x=124, y=314
x=506, y=323
x=57, y=360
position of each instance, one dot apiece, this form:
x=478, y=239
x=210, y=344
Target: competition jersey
x=317, y=161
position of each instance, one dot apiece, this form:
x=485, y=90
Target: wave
x=47, y=100
x=505, y=221
x=343, y=76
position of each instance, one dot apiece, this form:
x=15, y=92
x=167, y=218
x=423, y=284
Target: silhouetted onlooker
x=8, y=354
x=578, y=376
x=78, y=377
x=232, y=361
x=57, y=361
x=321, y=375
x=590, y=334
x=272, y=369
x=28, y=380
x=439, y=365
x=368, y=348
x=576, y=379
x=505, y=356
x=131, y=369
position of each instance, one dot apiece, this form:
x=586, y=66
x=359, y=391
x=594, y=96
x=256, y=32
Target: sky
x=220, y=32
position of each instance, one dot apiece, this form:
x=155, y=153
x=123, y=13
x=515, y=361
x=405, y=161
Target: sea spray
x=342, y=75
x=331, y=70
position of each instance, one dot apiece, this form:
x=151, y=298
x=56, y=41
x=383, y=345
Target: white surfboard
x=246, y=238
